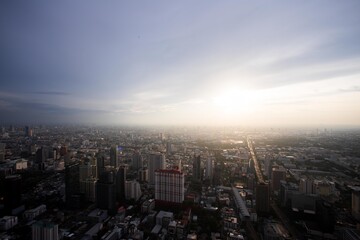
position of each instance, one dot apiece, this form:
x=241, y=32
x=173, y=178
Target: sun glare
x=234, y=101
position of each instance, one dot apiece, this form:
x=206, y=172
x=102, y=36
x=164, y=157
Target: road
x=256, y=163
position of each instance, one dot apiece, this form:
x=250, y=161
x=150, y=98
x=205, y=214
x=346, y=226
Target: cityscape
x=185, y=120
x=87, y=182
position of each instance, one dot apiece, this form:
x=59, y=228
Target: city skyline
x=157, y=63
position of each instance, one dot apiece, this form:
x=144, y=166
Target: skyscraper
x=106, y=191
x=209, y=168
x=2, y=151
x=100, y=164
x=156, y=161
x=277, y=175
x=132, y=190
x=12, y=193
x=41, y=155
x=262, y=198
x=28, y=131
x=87, y=177
x=197, y=168
x=114, y=156
x=168, y=148
x=72, y=185
x=120, y=183
x=169, y=186
x=306, y=186
x=137, y=161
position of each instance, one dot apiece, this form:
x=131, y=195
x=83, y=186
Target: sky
x=245, y=63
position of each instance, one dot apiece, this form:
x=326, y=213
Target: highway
x=259, y=175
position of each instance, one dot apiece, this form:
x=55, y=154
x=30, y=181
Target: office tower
x=262, y=198
x=28, y=131
x=41, y=155
x=85, y=171
x=12, y=193
x=87, y=177
x=169, y=186
x=286, y=191
x=72, y=185
x=277, y=175
x=267, y=166
x=209, y=168
x=100, y=164
x=114, y=156
x=89, y=189
x=355, y=204
x=197, y=168
x=143, y=175
x=168, y=148
x=120, y=183
x=156, y=161
x=132, y=190
x=2, y=151
x=106, y=191
x=44, y=230
x=306, y=186
x=137, y=161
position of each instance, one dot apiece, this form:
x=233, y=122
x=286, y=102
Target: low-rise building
x=8, y=222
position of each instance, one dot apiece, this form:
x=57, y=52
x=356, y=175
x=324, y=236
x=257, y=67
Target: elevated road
x=258, y=172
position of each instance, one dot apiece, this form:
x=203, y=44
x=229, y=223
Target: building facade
x=169, y=186
x=156, y=161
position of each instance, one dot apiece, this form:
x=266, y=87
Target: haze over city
x=273, y=63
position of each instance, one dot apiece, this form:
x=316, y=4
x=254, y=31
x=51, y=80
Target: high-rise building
x=143, y=175
x=120, y=183
x=137, y=160
x=44, y=230
x=2, y=151
x=41, y=155
x=28, y=131
x=85, y=171
x=197, y=168
x=168, y=148
x=100, y=164
x=262, y=198
x=133, y=190
x=277, y=175
x=306, y=186
x=169, y=186
x=267, y=166
x=209, y=168
x=106, y=191
x=156, y=161
x=286, y=191
x=355, y=204
x=89, y=189
x=72, y=185
x=114, y=157
x=12, y=193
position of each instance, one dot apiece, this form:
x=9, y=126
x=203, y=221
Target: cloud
x=351, y=89
x=52, y=93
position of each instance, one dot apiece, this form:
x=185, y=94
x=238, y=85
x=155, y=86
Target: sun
x=234, y=101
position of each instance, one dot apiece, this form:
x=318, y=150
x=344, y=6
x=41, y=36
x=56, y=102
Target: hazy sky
x=180, y=62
